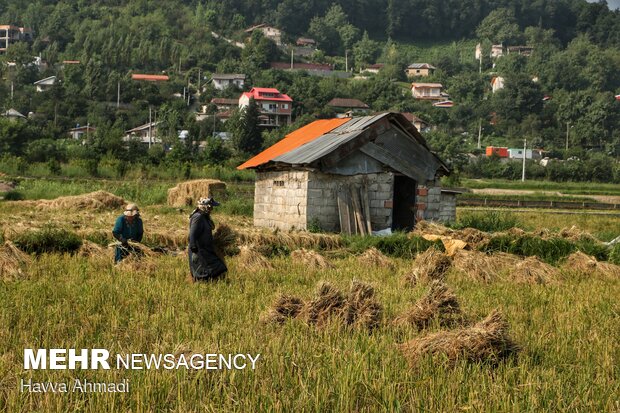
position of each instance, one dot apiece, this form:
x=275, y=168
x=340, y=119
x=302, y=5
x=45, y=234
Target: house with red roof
x=275, y=107
x=351, y=175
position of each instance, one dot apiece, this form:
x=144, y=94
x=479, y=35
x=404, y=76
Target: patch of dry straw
x=578, y=262
x=478, y=266
x=439, y=303
x=98, y=200
x=362, y=309
x=372, y=257
x=327, y=304
x=250, y=259
x=471, y=236
x=429, y=265
x=311, y=259
x=13, y=261
x=292, y=240
x=533, y=271
x=485, y=341
x=432, y=228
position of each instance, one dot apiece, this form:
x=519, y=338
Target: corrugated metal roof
x=294, y=140
x=329, y=142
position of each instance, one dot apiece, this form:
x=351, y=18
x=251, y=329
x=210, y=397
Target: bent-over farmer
x=204, y=264
x=128, y=227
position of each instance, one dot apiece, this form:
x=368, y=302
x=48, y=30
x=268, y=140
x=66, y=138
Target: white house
x=45, y=84
x=13, y=115
x=427, y=91
x=80, y=132
x=269, y=32
x=223, y=80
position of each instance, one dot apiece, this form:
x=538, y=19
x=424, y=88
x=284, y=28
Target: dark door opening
x=403, y=207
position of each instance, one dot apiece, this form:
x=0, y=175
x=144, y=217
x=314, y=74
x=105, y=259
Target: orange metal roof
x=294, y=140
x=137, y=76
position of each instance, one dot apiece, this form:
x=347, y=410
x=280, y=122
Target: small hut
x=354, y=175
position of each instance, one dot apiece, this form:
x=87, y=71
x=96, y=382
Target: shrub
x=492, y=221
x=614, y=254
x=48, y=239
x=238, y=206
x=13, y=196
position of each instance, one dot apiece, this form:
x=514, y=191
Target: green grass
x=488, y=221
x=567, y=333
x=525, y=197
x=396, y=245
x=564, y=187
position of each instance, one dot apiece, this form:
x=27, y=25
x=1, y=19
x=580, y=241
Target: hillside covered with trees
x=562, y=95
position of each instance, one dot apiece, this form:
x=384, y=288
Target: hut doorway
x=403, y=212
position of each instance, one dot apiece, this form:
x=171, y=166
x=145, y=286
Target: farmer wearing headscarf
x=204, y=264
x=128, y=227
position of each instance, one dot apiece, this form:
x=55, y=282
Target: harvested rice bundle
x=327, y=304
x=487, y=340
x=375, y=258
x=472, y=236
x=439, y=303
x=587, y=265
x=533, y=271
x=574, y=234
x=479, y=266
x=284, y=307
x=95, y=201
x=430, y=265
x=252, y=260
x=431, y=227
x=311, y=259
x=225, y=240
x=362, y=309
x=90, y=249
x=13, y=261
x=189, y=192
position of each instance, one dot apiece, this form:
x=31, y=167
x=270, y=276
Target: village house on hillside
x=420, y=70
x=80, y=133
x=13, y=115
x=354, y=175
x=275, y=107
x=420, y=124
x=428, y=91
x=45, y=84
x=269, y=32
x=10, y=34
x=146, y=134
x=497, y=83
x=376, y=68
x=348, y=107
x=223, y=80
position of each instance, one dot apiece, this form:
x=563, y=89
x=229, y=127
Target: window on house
x=285, y=106
x=278, y=183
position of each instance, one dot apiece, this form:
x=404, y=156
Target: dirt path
x=608, y=199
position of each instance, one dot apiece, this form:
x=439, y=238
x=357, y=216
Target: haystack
x=311, y=259
x=578, y=262
x=284, y=308
x=188, y=193
x=472, y=236
x=575, y=234
x=430, y=265
x=327, y=304
x=362, y=308
x=439, y=303
x=13, y=262
x=98, y=200
x=486, y=341
x=479, y=266
x=250, y=259
x=533, y=271
x=431, y=227
x=372, y=257
x=225, y=240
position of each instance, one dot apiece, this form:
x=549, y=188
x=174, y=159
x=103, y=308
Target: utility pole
x=479, y=132
x=118, y=94
x=346, y=60
x=567, y=133
x=199, y=82
x=150, y=124
x=292, y=65
x=524, y=154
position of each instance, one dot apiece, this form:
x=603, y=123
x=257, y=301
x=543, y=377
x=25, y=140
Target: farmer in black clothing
x=204, y=264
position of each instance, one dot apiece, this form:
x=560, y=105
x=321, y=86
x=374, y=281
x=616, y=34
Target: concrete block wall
x=280, y=199
x=447, y=212
x=323, y=198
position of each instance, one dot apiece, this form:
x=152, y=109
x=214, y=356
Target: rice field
x=338, y=328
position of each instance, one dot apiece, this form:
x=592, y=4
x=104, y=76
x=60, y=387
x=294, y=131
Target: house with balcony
x=10, y=34
x=223, y=80
x=275, y=107
x=146, y=134
x=427, y=91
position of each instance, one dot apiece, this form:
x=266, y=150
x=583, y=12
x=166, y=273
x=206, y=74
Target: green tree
x=500, y=26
